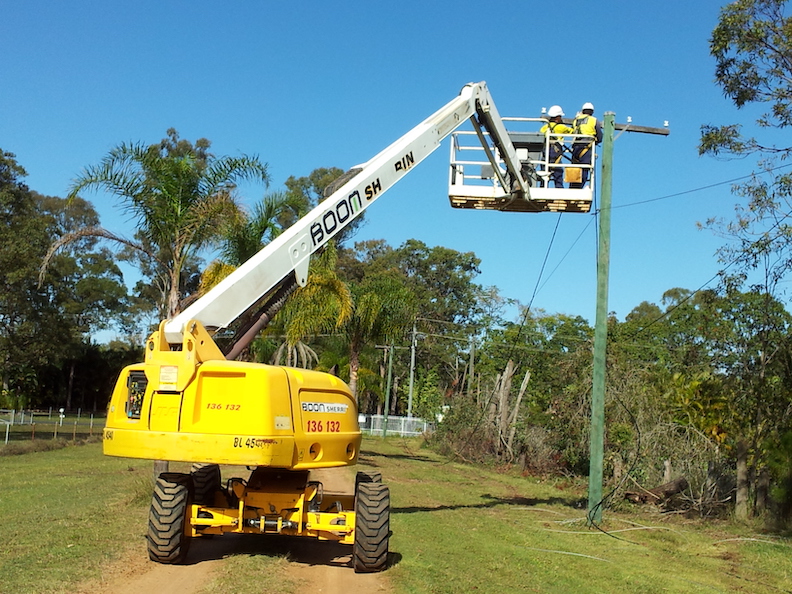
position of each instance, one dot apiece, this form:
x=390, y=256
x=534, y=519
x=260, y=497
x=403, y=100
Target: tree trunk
x=160, y=466
x=70, y=387
x=741, y=495
x=354, y=367
x=503, y=400
x=394, y=398
x=762, y=491
x=618, y=467
x=515, y=412
x=658, y=494
x=173, y=294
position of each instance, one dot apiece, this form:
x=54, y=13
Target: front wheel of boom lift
x=168, y=539
x=372, y=527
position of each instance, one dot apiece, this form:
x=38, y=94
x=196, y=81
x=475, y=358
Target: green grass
x=72, y=512
x=252, y=574
x=458, y=528
x=65, y=514
x=69, y=513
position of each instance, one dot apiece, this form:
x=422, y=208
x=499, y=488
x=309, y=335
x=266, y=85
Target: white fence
x=402, y=426
x=22, y=424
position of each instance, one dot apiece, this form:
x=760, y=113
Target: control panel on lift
x=475, y=183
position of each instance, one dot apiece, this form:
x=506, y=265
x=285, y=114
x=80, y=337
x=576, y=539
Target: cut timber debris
x=658, y=494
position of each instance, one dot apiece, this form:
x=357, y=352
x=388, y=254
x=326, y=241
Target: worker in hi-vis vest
x=583, y=148
x=555, y=143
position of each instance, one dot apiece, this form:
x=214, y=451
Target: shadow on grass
x=306, y=551
x=367, y=457
x=492, y=501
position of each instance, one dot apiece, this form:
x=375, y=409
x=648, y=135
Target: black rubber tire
x=167, y=539
x=206, y=483
x=368, y=476
x=372, y=527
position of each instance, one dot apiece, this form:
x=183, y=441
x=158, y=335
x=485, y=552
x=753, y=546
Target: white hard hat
x=587, y=106
x=555, y=111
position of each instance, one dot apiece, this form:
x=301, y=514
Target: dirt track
x=319, y=566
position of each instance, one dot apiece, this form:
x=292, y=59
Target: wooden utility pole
x=597, y=439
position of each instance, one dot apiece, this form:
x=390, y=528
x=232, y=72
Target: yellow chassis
x=192, y=405
x=293, y=519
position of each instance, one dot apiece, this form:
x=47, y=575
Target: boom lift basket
x=474, y=184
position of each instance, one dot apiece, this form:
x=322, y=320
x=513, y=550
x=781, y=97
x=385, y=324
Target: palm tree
x=180, y=195
x=323, y=305
x=246, y=234
x=383, y=310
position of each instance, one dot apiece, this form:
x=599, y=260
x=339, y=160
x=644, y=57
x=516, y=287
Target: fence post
x=55, y=435
x=74, y=432
x=33, y=434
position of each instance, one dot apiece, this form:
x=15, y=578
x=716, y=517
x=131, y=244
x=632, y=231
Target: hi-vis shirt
x=556, y=142
x=556, y=128
x=588, y=125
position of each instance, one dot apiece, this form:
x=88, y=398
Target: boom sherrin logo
x=345, y=208
x=349, y=206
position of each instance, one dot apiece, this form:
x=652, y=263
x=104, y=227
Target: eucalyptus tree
x=721, y=361
x=45, y=324
x=447, y=301
x=179, y=195
x=752, y=46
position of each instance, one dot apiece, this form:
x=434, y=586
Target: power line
x=716, y=275
x=595, y=212
x=702, y=188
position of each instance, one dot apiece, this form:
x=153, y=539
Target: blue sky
x=318, y=84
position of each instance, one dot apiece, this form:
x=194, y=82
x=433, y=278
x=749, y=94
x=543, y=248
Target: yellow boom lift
x=191, y=402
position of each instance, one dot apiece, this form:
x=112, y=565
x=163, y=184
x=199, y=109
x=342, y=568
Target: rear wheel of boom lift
x=368, y=476
x=168, y=539
x=206, y=483
x=372, y=527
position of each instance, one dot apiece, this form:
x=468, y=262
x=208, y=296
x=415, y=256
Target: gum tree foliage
x=45, y=325
x=720, y=363
x=179, y=195
x=315, y=188
x=752, y=46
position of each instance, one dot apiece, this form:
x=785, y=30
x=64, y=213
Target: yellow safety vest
x=585, y=124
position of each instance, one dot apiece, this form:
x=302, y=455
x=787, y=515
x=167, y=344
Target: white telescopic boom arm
x=291, y=250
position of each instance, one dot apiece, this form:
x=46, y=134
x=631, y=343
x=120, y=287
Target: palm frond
x=100, y=232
